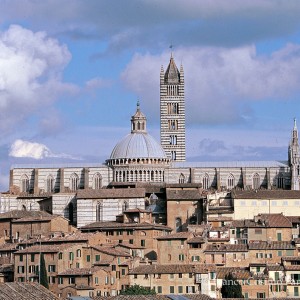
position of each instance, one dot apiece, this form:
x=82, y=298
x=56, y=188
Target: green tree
x=138, y=290
x=43, y=272
x=231, y=288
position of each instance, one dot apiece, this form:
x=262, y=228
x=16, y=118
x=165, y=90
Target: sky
x=72, y=71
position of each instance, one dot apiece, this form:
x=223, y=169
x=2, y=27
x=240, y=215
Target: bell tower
x=172, y=111
x=294, y=158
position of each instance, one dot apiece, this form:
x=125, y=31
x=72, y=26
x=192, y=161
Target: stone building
x=86, y=193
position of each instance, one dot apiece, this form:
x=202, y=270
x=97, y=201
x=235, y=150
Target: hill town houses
x=146, y=216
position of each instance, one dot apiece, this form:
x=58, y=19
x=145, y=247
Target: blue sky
x=71, y=73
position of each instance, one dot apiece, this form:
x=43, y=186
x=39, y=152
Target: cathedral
x=143, y=173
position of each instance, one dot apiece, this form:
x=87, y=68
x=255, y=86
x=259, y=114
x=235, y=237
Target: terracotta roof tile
x=17, y=214
x=175, y=236
x=238, y=273
x=171, y=269
x=273, y=245
x=265, y=194
x=226, y=248
x=265, y=220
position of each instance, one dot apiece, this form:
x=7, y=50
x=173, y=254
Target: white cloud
x=21, y=148
x=31, y=66
x=98, y=83
x=219, y=81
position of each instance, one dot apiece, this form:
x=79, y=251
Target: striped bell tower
x=172, y=111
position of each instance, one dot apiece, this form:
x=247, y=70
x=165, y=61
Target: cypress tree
x=43, y=272
x=231, y=288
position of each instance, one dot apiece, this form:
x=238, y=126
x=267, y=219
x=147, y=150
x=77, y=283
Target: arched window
x=71, y=212
x=178, y=224
x=205, y=181
x=49, y=184
x=74, y=182
x=99, y=211
x=125, y=206
x=280, y=182
x=181, y=178
x=256, y=181
x=230, y=182
x=97, y=181
x=24, y=184
x=78, y=253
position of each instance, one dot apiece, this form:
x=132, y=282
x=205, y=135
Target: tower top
x=172, y=74
x=138, y=120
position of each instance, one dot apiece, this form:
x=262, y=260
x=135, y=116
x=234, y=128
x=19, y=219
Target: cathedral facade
x=140, y=168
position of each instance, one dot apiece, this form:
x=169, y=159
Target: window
x=285, y=203
x=205, y=181
x=159, y=289
x=99, y=211
x=181, y=178
x=51, y=268
x=24, y=183
x=96, y=280
x=123, y=272
x=253, y=203
x=172, y=289
x=143, y=243
x=258, y=231
x=21, y=269
x=274, y=203
x=32, y=269
x=180, y=289
x=171, y=276
x=256, y=181
x=88, y=258
x=32, y=257
x=230, y=181
x=181, y=257
x=178, y=224
x=279, y=236
x=60, y=280
x=289, y=252
x=195, y=258
x=97, y=181
x=260, y=295
x=130, y=241
x=51, y=279
x=97, y=257
x=49, y=184
x=173, y=139
x=60, y=255
x=264, y=203
x=78, y=253
x=71, y=256
x=74, y=182
x=296, y=291
x=279, y=253
x=280, y=182
x=71, y=280
x=243, y=203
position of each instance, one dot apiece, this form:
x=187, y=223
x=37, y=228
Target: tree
x=43, y=278
x=138, y=290
x=231, y=288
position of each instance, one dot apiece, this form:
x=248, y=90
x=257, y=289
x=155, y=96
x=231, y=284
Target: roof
x=226, y=248
x=37, y=219
x=230, y=164
x=117, y=225
x=176, y=236
x=111, y=251
x=111, y=193
x=172, y=74
x=290, y=258
x=171, y=269
x=138, y=145
x=18, y=214
x=80, y=271
x=24, y=291
x=238, y=273
x=44, y=249
x=272, y=245
x=184, y=194
x=265, y=194
x=275, y=268
x=265, y=220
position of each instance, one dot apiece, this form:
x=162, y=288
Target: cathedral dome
x=138, y=145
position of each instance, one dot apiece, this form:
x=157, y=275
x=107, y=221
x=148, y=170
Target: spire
x=172, y=74
x=295, y=134
x=138, y=120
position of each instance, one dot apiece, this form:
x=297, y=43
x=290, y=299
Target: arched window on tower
x=205, y=182
x=230, y=182
x=256, y=181
x=125, y=206
x=181, y=178
x=24, y=184
x=97, y=181
x=74, y=182
x=49, y=184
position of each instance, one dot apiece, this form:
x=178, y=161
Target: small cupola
x=138, y=121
